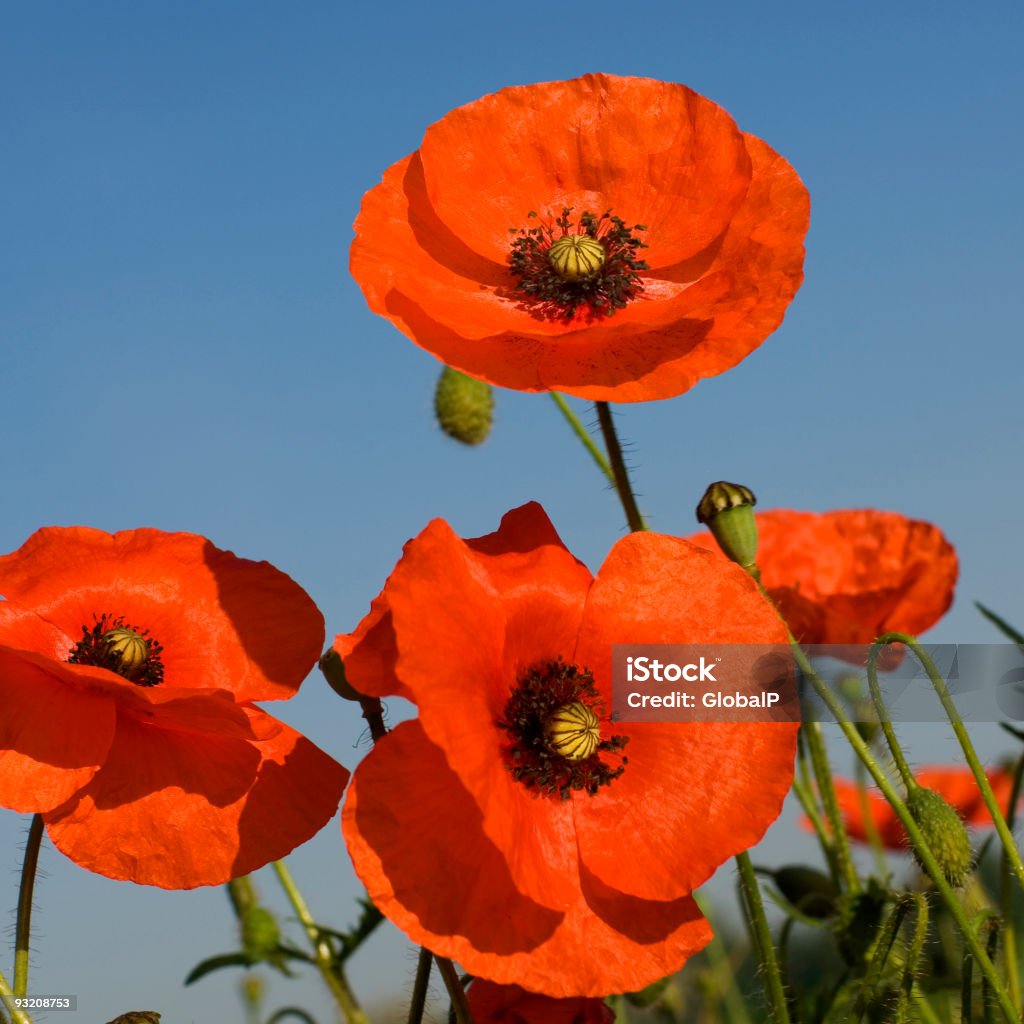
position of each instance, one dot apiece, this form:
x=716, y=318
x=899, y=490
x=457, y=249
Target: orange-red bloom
x=847, y=577
x=693, y=267
x=510, y=1004
x=956, y=785
x=490, y=831
x=127, y=666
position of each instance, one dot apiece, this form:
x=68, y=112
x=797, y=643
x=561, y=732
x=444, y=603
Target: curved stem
x=1005, y=836
x=1006, y=900
x=618, y=465
x=762, y=938
x=584, y=435
x=326, y=962
x=23, y=927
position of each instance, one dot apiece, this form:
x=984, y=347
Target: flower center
x=118, y=647
x=565, y=265
x=553, y=723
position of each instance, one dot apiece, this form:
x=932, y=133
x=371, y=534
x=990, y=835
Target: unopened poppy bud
x=727, y=510
x=130, y=647
x=944, y=831
x=333, y=669
x=260, y=932
x=576, y=256
x=811, y=892
x=464, y=406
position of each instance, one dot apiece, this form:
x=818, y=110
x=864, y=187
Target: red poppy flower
x=510, y=1004
x=612, y=238
x=956, y=785
x=847, y=577
x=513, y=826
x=126, y=673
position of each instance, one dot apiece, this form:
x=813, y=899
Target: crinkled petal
x=846, y=577
x=54, y=735
x=716, y=786
x=182, y=800
x=654, y=153
x=471, y=618
x=429, y=866
x=224, y=622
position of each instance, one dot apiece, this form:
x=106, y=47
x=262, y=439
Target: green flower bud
x=944, y=832
x=464, y=406
x=333, y=669
x=260, y=932
x=811, y=892
x=727, y=510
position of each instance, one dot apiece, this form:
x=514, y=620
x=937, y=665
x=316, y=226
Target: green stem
x=23, y=927
x=6, y=998
x=762, y=939
x=883, y=947
x=826, y=790
x=810, y=808
x=1006, y=895
x=456, y=992
x=420, y=986
x=722, y=969
x=326, y=962
x=870, y=828
x=584, y=435
x=913, y=958
x=619, y=471
x=1005, y=836
x=886, y=724
x=925, y=854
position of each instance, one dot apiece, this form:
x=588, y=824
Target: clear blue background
x=183, y=347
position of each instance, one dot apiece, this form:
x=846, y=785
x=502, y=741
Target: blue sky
x=183, y=347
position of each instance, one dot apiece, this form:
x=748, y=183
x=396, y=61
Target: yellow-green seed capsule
x=131, y=648
x=575, y=256
x=573, y=732
x=727, y=510
x=944, y=831
x=464, y=406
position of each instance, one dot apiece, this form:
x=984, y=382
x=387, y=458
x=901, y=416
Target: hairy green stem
x=583, y=434
x=326, y=961
x=23, y=927
x=762, y=938
x=6, y=999
x=886, y=724
x=618, y=466
x=1006, y=894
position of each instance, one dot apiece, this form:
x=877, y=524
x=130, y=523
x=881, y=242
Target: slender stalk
x=7, y=999
x=826, y=790
x=326, y=962
x=455, y=990
x=886, y=724
x=584, y=435
x=1006, y=895
x=914, y=955
x=762, y=938
x=1005, y=836
x=722, y=969
x=619, y=471
x=420, y=986
x=883, y=947
x=23, y=927
x=870, y=828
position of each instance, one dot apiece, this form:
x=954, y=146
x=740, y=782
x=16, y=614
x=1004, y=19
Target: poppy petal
x=454, y=894
x=224, y=622
x=659, y=590
x=655, y=153
x=509, y=1004
x=53, y=735
x=181, y=801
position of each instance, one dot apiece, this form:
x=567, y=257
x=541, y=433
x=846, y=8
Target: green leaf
x=1001, y=624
